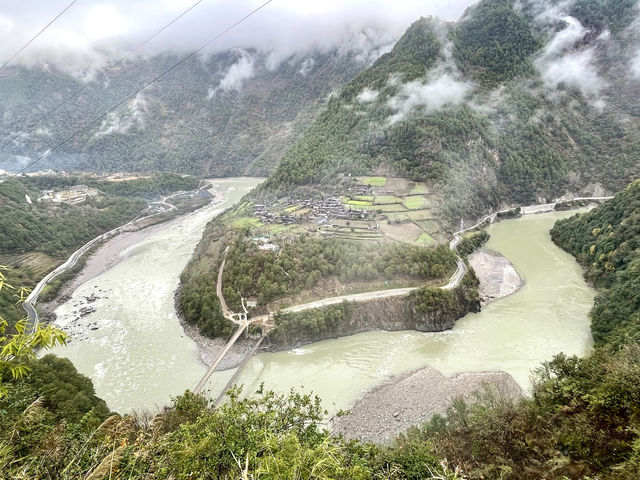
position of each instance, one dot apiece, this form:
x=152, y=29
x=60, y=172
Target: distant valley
x=228, y=113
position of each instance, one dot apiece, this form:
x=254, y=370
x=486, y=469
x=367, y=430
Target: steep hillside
x=606, y=241
x=516, y=102
x=230, y=113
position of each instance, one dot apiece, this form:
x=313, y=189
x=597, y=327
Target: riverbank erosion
x=497, y=276
x=388, y=410
x=428, y=309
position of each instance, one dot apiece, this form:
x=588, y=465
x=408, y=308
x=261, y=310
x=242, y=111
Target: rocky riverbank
x=106, y=256
x=381, y=414
x=210, y=348
x=498, y=277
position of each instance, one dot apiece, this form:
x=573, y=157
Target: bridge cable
x=102, y=74
x=37, y=34
x=132, y=95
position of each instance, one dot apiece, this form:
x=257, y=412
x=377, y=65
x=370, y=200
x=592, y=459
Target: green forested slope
x=36, y=237
x=509, y=104
x=494, y=42
x=230, y=113
x=606, y=241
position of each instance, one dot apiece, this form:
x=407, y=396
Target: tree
x=19, y=347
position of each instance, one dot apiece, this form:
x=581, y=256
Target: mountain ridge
x=226, y=114
x=489, y=128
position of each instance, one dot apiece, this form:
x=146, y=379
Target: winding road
x=29, y=303
x=367, y=296
x=241, y=320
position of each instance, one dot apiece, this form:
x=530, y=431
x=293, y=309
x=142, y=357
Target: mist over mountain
x=518, y=101
x=91, y=33
x=229, y=113
x=232, y=110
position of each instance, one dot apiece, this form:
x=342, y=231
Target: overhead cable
x=132, y=95
x=37, y=34
x=101, y=75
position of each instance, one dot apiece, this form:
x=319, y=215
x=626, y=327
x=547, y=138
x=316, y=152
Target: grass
x=387, y=199
x=425, y=239
x=413, y=203
x=430, y=226
x=396, y=207
x=366, y=206
x=419, y=188
x=244, y=222
x=359, y=203
x=363, y=198
x=375, y=181
x=274, y=228
x=291, y=209
x=418, y=215
x=243, y=207
x=397, y=217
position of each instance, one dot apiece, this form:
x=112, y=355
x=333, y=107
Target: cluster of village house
x=71, y=195
x=320, y=211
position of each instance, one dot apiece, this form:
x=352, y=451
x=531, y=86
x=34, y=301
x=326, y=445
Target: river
x=139, y=356
x=548, y=315
x=132, y=346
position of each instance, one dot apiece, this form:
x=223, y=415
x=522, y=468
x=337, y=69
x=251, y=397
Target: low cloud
x=94, y=29
x=575, y=70
x=565, y=62
x=436, y=93
x=240, y=71
x=566, y=38
x=367, y=95
x=635, y=65
x=233, y=80
x=307, y=66
x=122, y=122
x=369, y=44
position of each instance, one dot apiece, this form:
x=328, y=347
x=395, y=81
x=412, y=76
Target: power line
x=132, y=95
x=37, y=34
x=102, y=74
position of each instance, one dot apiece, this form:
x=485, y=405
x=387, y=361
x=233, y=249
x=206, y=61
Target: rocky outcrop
x=427, y=310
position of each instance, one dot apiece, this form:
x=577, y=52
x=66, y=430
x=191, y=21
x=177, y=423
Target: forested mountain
x=518, y=101
x=228, y=113
x=607, y=243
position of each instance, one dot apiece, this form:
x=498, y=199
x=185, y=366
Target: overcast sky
x=91, y=30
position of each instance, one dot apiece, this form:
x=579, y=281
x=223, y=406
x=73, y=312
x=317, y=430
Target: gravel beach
x=498, y=277
x=109, y=254
x=389, y=409
x=411, y=399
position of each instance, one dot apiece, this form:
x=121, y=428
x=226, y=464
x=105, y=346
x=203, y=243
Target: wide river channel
x=138, y=356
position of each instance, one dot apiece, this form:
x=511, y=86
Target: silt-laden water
x=132, y=346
